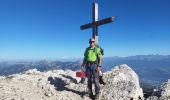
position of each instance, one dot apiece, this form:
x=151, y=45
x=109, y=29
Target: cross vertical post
x=95, y=19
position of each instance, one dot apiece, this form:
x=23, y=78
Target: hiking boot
x=97, y=96
x=90, y=94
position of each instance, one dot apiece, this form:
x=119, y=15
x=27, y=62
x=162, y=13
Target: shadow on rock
x=60, y=85
x=71, y=78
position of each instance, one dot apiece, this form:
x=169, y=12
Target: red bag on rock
x=80, y=74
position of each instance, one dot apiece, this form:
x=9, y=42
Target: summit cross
x=95, y=22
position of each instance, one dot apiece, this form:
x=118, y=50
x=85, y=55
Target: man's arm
x=99, y=57
x=100, y=60
x=84, y=62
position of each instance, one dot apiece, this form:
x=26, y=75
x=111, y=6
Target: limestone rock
x=122, y=83
x=166, y=89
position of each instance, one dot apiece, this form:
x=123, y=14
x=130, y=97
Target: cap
x=91, y=39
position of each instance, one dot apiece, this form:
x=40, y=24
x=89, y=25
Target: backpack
x=101, y=50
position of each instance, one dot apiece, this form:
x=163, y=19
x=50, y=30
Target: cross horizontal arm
x=105, y=21
x=97, y=23
x=86, y=26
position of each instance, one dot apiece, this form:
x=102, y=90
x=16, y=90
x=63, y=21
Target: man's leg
x=97, y=86
x=90, y=86
x=96, y=79
x=89, y=76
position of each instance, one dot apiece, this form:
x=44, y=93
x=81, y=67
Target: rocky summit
x=121, y=83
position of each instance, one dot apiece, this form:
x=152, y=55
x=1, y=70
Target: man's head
x=92, y=42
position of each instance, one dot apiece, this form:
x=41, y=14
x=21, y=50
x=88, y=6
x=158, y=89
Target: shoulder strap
x=95, y=50
x=86, y=52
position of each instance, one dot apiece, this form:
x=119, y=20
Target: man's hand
x=98, y=68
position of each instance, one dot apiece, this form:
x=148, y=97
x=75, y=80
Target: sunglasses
x=91, y=41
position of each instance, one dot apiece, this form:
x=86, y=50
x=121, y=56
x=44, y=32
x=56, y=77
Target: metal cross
x=95, y=23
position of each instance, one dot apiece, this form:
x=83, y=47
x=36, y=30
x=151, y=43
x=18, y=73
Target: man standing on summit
x=92, y=63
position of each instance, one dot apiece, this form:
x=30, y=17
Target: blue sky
x=50, y=29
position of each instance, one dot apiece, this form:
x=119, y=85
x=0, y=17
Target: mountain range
x=152, y=69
